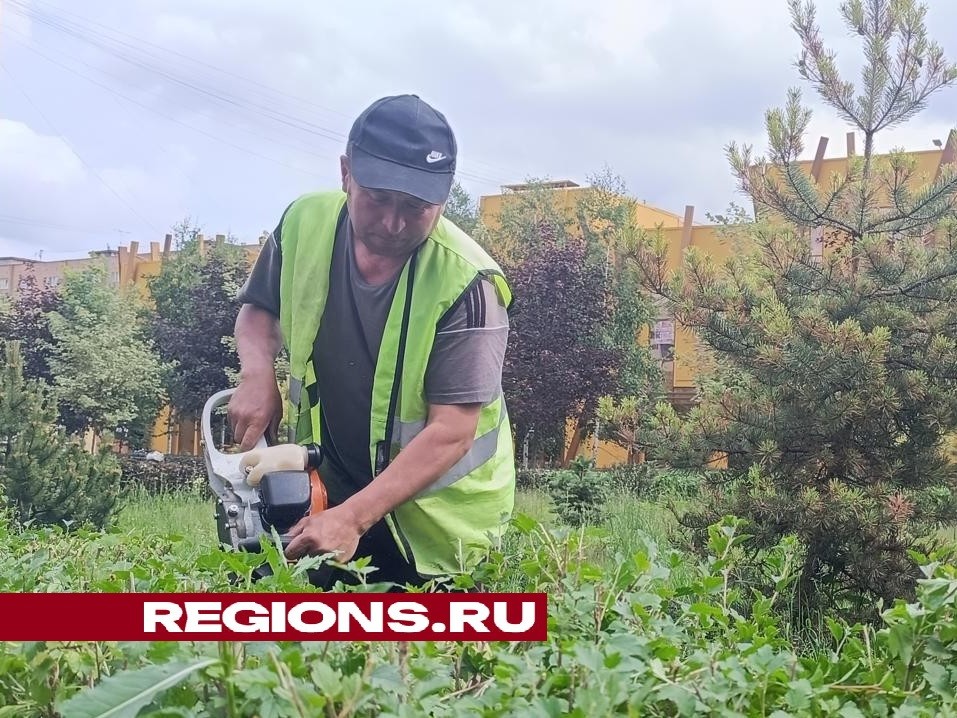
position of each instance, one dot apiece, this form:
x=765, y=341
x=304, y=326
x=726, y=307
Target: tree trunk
x=576, y=441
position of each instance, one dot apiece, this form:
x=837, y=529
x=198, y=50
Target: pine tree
x=835, y=380
x=44, y=476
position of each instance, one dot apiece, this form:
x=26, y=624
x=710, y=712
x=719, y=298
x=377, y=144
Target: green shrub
x=634, y=479
x=174, y=473
x=532, y=479
x=578, y=493
x=650, y=480
x=676, y=482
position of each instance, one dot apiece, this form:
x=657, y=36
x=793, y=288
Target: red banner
x=273, y=616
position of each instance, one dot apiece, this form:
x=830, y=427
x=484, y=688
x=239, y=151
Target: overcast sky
x=119, y=119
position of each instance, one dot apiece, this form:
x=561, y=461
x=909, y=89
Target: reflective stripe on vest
x=483, y=448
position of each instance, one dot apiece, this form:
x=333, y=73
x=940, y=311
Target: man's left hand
x=335, y=530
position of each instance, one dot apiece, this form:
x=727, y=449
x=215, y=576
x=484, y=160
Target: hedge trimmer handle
x=237, y=509
x=226, y=465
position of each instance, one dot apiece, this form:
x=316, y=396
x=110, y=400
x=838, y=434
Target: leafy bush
x=634, y=479
x=675, y=482
x=650, y=480
x=532, y=479
x=634, y=640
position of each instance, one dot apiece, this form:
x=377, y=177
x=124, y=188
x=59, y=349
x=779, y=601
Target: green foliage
x=528, y=215
x=625, y=422
x=45, y=478
x=124, y=695
x=657, y=634
x=158, y=477
x=106, y=375
x=195, y=308
x=902, y=69
x=579, y=308
x=532, y=479
x=633, y=479
x=578, y=493
x=27, y=321
x=462, y=209
x=650, y=481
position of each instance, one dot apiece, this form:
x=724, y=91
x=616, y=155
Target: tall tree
x=604, y=215
x=106, y=375
x=836, y=376
x=902, y=69
x=530, y=215
x=578, y=304
x=194, y=296
x=461, y=209
x=557, y=366
x=27, y=322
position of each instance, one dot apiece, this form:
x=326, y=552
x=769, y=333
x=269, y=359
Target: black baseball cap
x=402, y=143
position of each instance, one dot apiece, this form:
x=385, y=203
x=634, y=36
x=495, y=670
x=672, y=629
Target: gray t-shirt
x=465, y=365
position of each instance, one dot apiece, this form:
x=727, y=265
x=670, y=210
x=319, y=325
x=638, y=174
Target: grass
x=629, y=523
x=187, y=513
x=534, y=503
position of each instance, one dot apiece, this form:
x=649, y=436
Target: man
x=395, y=322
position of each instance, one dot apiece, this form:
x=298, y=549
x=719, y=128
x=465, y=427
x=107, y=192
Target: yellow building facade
x=51, y=273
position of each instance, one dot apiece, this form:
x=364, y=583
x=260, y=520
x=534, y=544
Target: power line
x=10, y=219
x=151, y=109
x=106, y=43
x=101, y=41
x=67, y=142
x=140, y=42
x=165, y=115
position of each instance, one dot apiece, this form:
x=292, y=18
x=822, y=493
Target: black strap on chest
x=383, y=453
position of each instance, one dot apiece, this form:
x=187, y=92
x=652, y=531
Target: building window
x=663, y=339
x=51, y=281
x=114, y=277
x=817, y=245
x=4, y=283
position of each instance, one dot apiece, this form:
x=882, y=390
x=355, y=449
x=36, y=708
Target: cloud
x=558, y=89
x=51, y=199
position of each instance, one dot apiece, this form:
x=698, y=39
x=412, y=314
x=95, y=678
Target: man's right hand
x=254, y=410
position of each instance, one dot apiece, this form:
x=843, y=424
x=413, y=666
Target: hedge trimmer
x=243, y=512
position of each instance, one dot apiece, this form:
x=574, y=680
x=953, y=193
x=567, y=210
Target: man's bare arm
x=446, y=438
x=256, y=407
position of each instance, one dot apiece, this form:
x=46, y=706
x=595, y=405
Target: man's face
x=388, y=223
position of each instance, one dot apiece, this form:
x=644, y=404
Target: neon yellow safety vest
x=449, y=527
